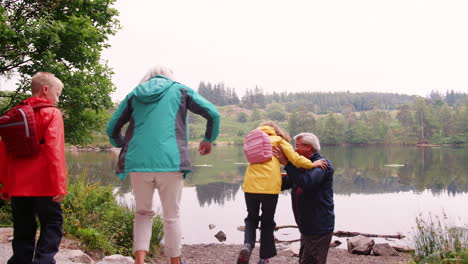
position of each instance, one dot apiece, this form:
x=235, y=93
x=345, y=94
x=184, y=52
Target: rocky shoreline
x=216, y=253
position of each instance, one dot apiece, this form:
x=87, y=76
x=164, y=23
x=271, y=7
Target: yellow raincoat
x=266, y=177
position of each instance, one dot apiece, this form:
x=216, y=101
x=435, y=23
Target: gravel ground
x=222, y=254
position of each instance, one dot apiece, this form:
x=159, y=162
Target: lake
x=377, y=189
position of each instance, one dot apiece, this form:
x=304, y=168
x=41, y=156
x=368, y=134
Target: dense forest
x=345, y=117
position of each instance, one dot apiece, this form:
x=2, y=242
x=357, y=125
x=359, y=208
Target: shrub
x=92, y=214
x=436, y=242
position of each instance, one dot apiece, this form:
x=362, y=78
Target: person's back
x=155, y=151
x=37, y=184
x=33, y=175
x=265, y=177
x=156, y=139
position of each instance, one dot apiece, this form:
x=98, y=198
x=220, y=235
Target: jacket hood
x=152, y=90
x=36, y=100
x=268, y=129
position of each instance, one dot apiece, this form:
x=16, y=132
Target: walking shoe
x=244, y=254
x=263, y=261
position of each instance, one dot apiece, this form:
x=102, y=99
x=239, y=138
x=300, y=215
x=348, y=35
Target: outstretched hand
x=58, y=198
x=204, y=148
x=320, y=163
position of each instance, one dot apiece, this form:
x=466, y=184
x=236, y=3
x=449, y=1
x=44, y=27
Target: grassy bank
x=437, y=242
x=92, y=215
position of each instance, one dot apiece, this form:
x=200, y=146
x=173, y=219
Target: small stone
x=211, y=226
x=221, y=236
x=335, y=243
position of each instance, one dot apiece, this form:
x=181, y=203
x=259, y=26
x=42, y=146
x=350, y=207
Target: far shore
x=194, y=144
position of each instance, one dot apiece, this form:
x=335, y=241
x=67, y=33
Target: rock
x=403, y=249
x=221, y=236
x=73, y=256
x=335, y=243
x=211, y=226
x=384, y=249
x=116, y=259
x=360, y=245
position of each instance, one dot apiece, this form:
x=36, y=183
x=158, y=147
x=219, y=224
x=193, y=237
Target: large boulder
x=384, y=249
x=360, y=245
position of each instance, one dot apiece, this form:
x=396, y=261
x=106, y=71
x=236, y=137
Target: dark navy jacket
x=312, y=197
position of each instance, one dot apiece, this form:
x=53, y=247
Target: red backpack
x=257, y=146
x=18, y=129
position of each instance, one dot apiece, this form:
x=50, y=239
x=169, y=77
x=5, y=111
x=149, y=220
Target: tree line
x=317, y=102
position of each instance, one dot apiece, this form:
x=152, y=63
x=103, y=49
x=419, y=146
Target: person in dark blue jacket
x=312, y=199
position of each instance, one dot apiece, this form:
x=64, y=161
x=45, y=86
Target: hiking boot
x=244, y=254
x=263, y=261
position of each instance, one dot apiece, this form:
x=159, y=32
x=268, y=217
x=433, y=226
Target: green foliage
x=5, y=214
x=436, y=242
x=65, y=38
x=92, y=214
x=242, y=117
x=301, y=122
x=276, y=112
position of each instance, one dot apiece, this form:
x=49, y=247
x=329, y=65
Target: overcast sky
x=400, y=46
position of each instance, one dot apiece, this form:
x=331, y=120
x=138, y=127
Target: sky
x=399, y=46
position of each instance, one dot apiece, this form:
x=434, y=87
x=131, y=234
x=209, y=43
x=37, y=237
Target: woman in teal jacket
x=155, y=152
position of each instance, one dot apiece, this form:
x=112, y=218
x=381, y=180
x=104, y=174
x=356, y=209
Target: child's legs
x=50, y=217
x=169, y=185
x=252, y=203
x=24, y=229
x=267, y=239
x=143, y=189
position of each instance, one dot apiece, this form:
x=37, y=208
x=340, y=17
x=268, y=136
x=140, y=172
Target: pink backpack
x=257, y=146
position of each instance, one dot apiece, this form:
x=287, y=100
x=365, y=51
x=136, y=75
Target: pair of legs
x=314, y=248
x=169, y=185
x=25, y=249
x=267, y=203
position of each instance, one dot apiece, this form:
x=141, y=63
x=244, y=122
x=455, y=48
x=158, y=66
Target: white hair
x=309, y=139
x=159, y=69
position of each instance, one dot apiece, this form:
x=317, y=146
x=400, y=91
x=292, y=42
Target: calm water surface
x=377, y=189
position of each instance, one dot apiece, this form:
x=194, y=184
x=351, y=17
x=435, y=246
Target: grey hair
x=309, y=139
x=160, y=69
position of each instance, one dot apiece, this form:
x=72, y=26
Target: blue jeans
x=267, y=203
x=25, y=249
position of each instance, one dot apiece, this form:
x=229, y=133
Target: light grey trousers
x=169, y=186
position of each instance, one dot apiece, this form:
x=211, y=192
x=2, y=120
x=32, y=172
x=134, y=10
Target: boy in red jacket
x=37, y=184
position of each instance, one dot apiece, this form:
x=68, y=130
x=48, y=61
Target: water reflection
x=359, y=170
x=377, y=189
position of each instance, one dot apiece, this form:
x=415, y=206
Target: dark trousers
x=314, y=248
x=267, y=203
x=25, y=249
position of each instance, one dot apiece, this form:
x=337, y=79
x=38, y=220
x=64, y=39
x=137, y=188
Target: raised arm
x=295, y=158
x=200, y=106
x=308, y=179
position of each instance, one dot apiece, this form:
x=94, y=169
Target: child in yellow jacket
x=262, y=184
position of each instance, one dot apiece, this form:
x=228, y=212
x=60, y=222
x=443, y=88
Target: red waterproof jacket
x=44, y=174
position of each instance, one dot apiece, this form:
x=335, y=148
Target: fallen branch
x=349, y=234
